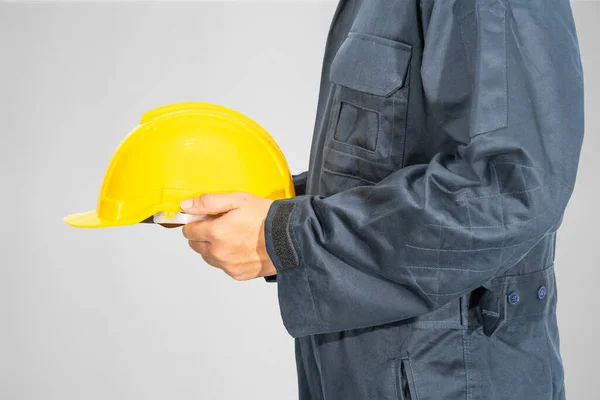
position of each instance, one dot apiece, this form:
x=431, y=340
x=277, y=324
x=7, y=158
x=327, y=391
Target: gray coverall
x=417, y=259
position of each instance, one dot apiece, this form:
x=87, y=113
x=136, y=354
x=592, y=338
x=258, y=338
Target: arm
x=429, y=233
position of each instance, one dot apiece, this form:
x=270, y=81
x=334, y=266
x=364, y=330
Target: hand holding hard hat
x=235, y=241
x=181, y=152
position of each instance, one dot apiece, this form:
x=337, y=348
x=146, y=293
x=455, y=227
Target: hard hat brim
x=88, y=219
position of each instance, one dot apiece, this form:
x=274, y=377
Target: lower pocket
x=405, y=384
x=346, y=163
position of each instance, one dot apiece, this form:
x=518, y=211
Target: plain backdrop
x=132, y=313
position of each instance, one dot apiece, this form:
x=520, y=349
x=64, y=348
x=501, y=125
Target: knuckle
x=204, y=201
x=216, y=233
x=193, y=246
x=237, y=276
x=210, y=261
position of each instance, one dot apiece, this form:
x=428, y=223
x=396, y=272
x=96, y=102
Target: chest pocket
x=366, y=132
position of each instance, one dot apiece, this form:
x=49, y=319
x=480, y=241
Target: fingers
x=199, y=231
x=210, y=261
x=212, y=230
x=202, y=248
x=205, y=251
x=212, y=203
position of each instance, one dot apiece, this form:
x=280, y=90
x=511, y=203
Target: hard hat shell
x=184, y=150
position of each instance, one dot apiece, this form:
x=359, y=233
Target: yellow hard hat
x=184, y=150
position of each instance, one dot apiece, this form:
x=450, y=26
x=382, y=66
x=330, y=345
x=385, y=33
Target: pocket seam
x=386, y=162
x=409, y=375
x=337, y=123
x=411, y=378
x=332, y=172
x=380, y=40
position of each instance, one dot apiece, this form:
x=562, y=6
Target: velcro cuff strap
x=281, y=237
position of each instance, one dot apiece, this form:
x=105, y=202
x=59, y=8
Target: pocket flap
x=371, y=64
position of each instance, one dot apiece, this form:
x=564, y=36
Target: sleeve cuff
x=296, y=300
x=300, y=189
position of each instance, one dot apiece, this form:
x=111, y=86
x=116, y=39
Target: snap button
x=541, y=292
x=513, y=298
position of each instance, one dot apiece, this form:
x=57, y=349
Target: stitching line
x=413, y=377
x=462, y=291
x=466, y=361
x=568, y=187
x=493, y=226
x=500, y=194
x=464, y=251
x=325, y=169
x=502, y=16
x=381, y=40
x=374, y=161
x=438, y=272
x=469, y=250
x=501, y=212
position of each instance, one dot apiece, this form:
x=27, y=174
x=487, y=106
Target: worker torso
x=373, y=119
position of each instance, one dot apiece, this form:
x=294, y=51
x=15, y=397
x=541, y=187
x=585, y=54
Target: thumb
x=211, y=204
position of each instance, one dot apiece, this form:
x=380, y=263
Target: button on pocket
x=366, y=132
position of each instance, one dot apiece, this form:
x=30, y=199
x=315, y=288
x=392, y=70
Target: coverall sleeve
x=300, y=189
x=430, y=232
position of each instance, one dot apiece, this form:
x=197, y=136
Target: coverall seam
x=529, y=202
x=414, y=281
x=452, y=269
x=393, y=132
x=549, y=355
x=493, y=226
x=552, y=178
x=396, y=373
x=550, y=310
x=329, y=171
x=467, y=56
x=435, y=325
x=414, y=377
x=387, y=162
x=438, y=269
x=493, y=166
x=361, y=87
x=500, y=194
x=482, y=271
x=406, y=113
x=460, y=18
x=522, y=277
x=467, y=361
x=504, y=123
x=396, y=44
x=469, y=250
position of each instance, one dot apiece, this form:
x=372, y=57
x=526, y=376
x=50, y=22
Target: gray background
x=133, y=313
